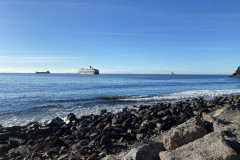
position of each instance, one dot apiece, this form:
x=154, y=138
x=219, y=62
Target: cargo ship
x=172, y=73
x=47, y=72
x=89, y=70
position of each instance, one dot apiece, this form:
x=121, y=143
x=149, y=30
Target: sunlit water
x=39, y=97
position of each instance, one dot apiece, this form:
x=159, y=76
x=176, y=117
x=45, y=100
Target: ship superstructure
x=89, y=70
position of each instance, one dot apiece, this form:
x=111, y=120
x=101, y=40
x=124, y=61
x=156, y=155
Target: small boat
x=172, y=73
x=47, y=72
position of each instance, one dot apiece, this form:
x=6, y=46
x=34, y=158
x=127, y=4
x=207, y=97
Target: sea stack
x=237, y=73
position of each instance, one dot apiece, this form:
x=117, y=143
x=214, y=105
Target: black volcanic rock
x=95, y=136
x=237, y=73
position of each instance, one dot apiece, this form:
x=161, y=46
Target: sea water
x=39, y=97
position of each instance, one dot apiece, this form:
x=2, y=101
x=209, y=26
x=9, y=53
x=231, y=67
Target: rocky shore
x=237, y=73
x=192, y=129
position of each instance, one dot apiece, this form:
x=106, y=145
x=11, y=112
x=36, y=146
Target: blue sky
x=120, y=36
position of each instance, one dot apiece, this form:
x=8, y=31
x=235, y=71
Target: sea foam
x=23, y=118
x=206, y=94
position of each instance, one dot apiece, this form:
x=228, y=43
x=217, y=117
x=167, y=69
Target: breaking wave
x=47, y=112
x=206, y=94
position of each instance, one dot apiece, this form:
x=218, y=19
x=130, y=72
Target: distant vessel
x=47, y=72
x=172, y=73
x=89, y=70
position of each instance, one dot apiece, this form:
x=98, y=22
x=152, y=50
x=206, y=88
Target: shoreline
x=95, y=105
x=96, y=136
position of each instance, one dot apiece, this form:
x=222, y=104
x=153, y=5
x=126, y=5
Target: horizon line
x=117, y=73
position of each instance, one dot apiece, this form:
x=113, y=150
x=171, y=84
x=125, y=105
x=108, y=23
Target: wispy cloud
x=194, y=28
x=212, y=49
x=202, y=21
x=85, y=5
x=200, y=15
x=30, y=52
x=114, y=34
x=100, y=5
x=15, y=59
x=30, y=2
x=66, y=3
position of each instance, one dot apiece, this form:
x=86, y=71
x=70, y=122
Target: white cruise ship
x=89, y=70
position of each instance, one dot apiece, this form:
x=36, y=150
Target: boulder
x=103, y=111
x=146, y=152
x=94, y=156
x=111, y=157
x=117, y=119
x=140, y=136
x=23, y=149
x=208, y=118
x=105, y=139
x=150, y=151
x=221, y=126
x=15, y=142
x=237, y=73
x=230, y=113
x=211, y=146
x=53, y=122
x=79, y=134
x=5, y=136
x=69, y=118
x=231, y=132
x=62, y=157
x=54, y=142
x=4, y=148
x=13, y=128
x=185, y=133
x=42, y=131
x=33, y=125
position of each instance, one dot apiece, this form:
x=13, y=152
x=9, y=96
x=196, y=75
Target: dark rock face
x=237, y=73
x=95, y=136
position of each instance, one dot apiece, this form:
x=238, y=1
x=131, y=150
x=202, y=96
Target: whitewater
x=29, y=97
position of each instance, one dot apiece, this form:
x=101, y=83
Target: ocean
x=39, y=97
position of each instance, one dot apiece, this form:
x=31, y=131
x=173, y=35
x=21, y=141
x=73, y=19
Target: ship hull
x=42, y=72
x=88, y=72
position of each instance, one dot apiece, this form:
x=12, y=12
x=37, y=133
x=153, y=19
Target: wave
x=48, y=106
x=88, y=99
x=111, y=103
x=206, y=94
x=69, y=100
x=114, y=97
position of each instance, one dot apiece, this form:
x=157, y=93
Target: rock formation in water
x=237, y=73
